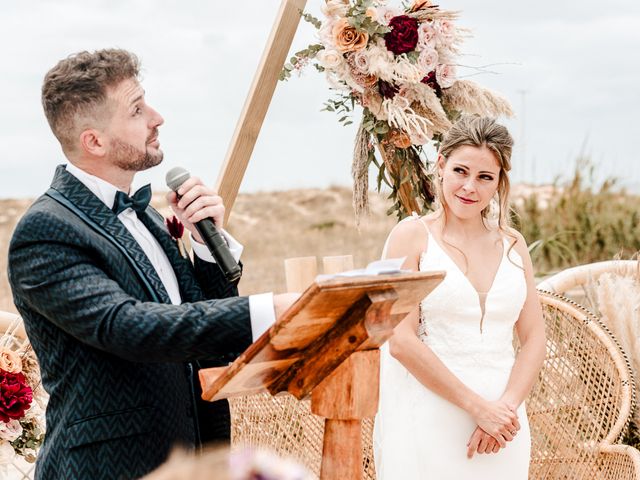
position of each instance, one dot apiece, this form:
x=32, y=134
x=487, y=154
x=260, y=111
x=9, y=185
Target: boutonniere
x=176, y=230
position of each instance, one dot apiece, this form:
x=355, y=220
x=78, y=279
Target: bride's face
x=469, y=180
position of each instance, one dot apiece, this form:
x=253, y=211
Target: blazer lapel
x=80, y=196
x=190, y=291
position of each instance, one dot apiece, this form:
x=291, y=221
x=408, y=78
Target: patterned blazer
x=117, y=358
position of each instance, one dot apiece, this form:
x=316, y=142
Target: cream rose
x=10, y=361
x=347, y=39
x=372, y=13
x=385, y=14
x=10, y=431
x=329, y=59
x=335, y=8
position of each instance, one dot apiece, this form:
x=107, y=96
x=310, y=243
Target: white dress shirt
x=260, y=306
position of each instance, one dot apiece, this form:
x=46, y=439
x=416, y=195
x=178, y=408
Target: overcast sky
x=571, y=70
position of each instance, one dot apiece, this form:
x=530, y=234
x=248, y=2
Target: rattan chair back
x=585, y=275
x=584, y=396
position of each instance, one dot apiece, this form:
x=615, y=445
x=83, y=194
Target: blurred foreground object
x=219, y=464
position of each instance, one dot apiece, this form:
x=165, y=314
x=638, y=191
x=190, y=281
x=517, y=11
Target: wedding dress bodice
x=456, y=325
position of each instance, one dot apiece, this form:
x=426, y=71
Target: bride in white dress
x=452, y=390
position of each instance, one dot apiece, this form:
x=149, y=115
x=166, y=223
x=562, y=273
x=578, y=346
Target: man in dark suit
x=120, y=321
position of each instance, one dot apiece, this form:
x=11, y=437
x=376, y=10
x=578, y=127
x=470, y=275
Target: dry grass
x=11, y=211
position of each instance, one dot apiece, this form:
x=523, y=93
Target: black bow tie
x=138, y=202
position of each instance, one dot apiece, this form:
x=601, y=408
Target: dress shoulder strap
x=420, y=220
x=411, y=218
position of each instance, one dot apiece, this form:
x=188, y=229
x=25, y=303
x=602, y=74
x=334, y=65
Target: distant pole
x=523, y=136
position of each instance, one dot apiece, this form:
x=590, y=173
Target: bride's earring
x=494, y=210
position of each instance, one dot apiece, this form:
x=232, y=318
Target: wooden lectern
x=326, y=344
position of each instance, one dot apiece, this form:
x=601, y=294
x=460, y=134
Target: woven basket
x=577, y=410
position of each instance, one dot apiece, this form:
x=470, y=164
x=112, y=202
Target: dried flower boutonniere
x=176, y=230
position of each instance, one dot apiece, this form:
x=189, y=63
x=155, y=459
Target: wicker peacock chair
x=580, y=406
x=578, y=409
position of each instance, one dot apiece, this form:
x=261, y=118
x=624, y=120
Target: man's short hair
x=76, y=88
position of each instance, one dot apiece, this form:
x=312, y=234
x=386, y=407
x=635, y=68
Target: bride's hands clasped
x=481, y=442
x=497, y=419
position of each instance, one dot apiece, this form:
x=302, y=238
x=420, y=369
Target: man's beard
x=128, y=157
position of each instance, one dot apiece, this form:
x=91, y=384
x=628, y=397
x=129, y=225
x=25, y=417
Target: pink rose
x=10, y=431
x=446, y=75
x=447, y=30
x=428, y=60
x=426, y=36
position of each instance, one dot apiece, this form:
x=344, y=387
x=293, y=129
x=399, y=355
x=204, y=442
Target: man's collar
x=102, y=189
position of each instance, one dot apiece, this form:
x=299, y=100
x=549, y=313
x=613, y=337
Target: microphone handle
x=219, y=249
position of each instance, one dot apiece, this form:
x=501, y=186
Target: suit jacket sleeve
x=212, y=281
x=57, y=276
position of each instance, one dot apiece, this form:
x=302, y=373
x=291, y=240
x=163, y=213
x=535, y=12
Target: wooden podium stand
x=326, y=344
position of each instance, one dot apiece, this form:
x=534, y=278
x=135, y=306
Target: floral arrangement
x=22, y=400
x=400, y=65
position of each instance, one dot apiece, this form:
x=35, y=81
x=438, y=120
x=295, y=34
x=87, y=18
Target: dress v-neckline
x=481, y=302
x=457, y=267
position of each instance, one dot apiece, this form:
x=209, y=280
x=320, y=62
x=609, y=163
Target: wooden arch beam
x=257, y=103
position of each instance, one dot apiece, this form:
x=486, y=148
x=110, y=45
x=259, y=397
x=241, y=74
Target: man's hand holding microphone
x=201, y=210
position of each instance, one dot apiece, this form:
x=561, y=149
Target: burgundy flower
x=386, y=89
x=432, y=81
x=175, y=226
x=15, y=396
x=403, y=36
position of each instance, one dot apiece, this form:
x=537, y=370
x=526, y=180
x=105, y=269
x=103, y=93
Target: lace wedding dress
x=418, y=434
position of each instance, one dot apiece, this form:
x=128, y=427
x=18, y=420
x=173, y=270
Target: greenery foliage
x=583, y=222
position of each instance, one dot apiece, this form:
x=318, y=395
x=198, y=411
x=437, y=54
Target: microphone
x=208, y=231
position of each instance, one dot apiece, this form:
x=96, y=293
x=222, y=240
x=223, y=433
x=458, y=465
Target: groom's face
x=132, y=132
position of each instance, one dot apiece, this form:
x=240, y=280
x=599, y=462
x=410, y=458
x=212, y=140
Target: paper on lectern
x=379, y=267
